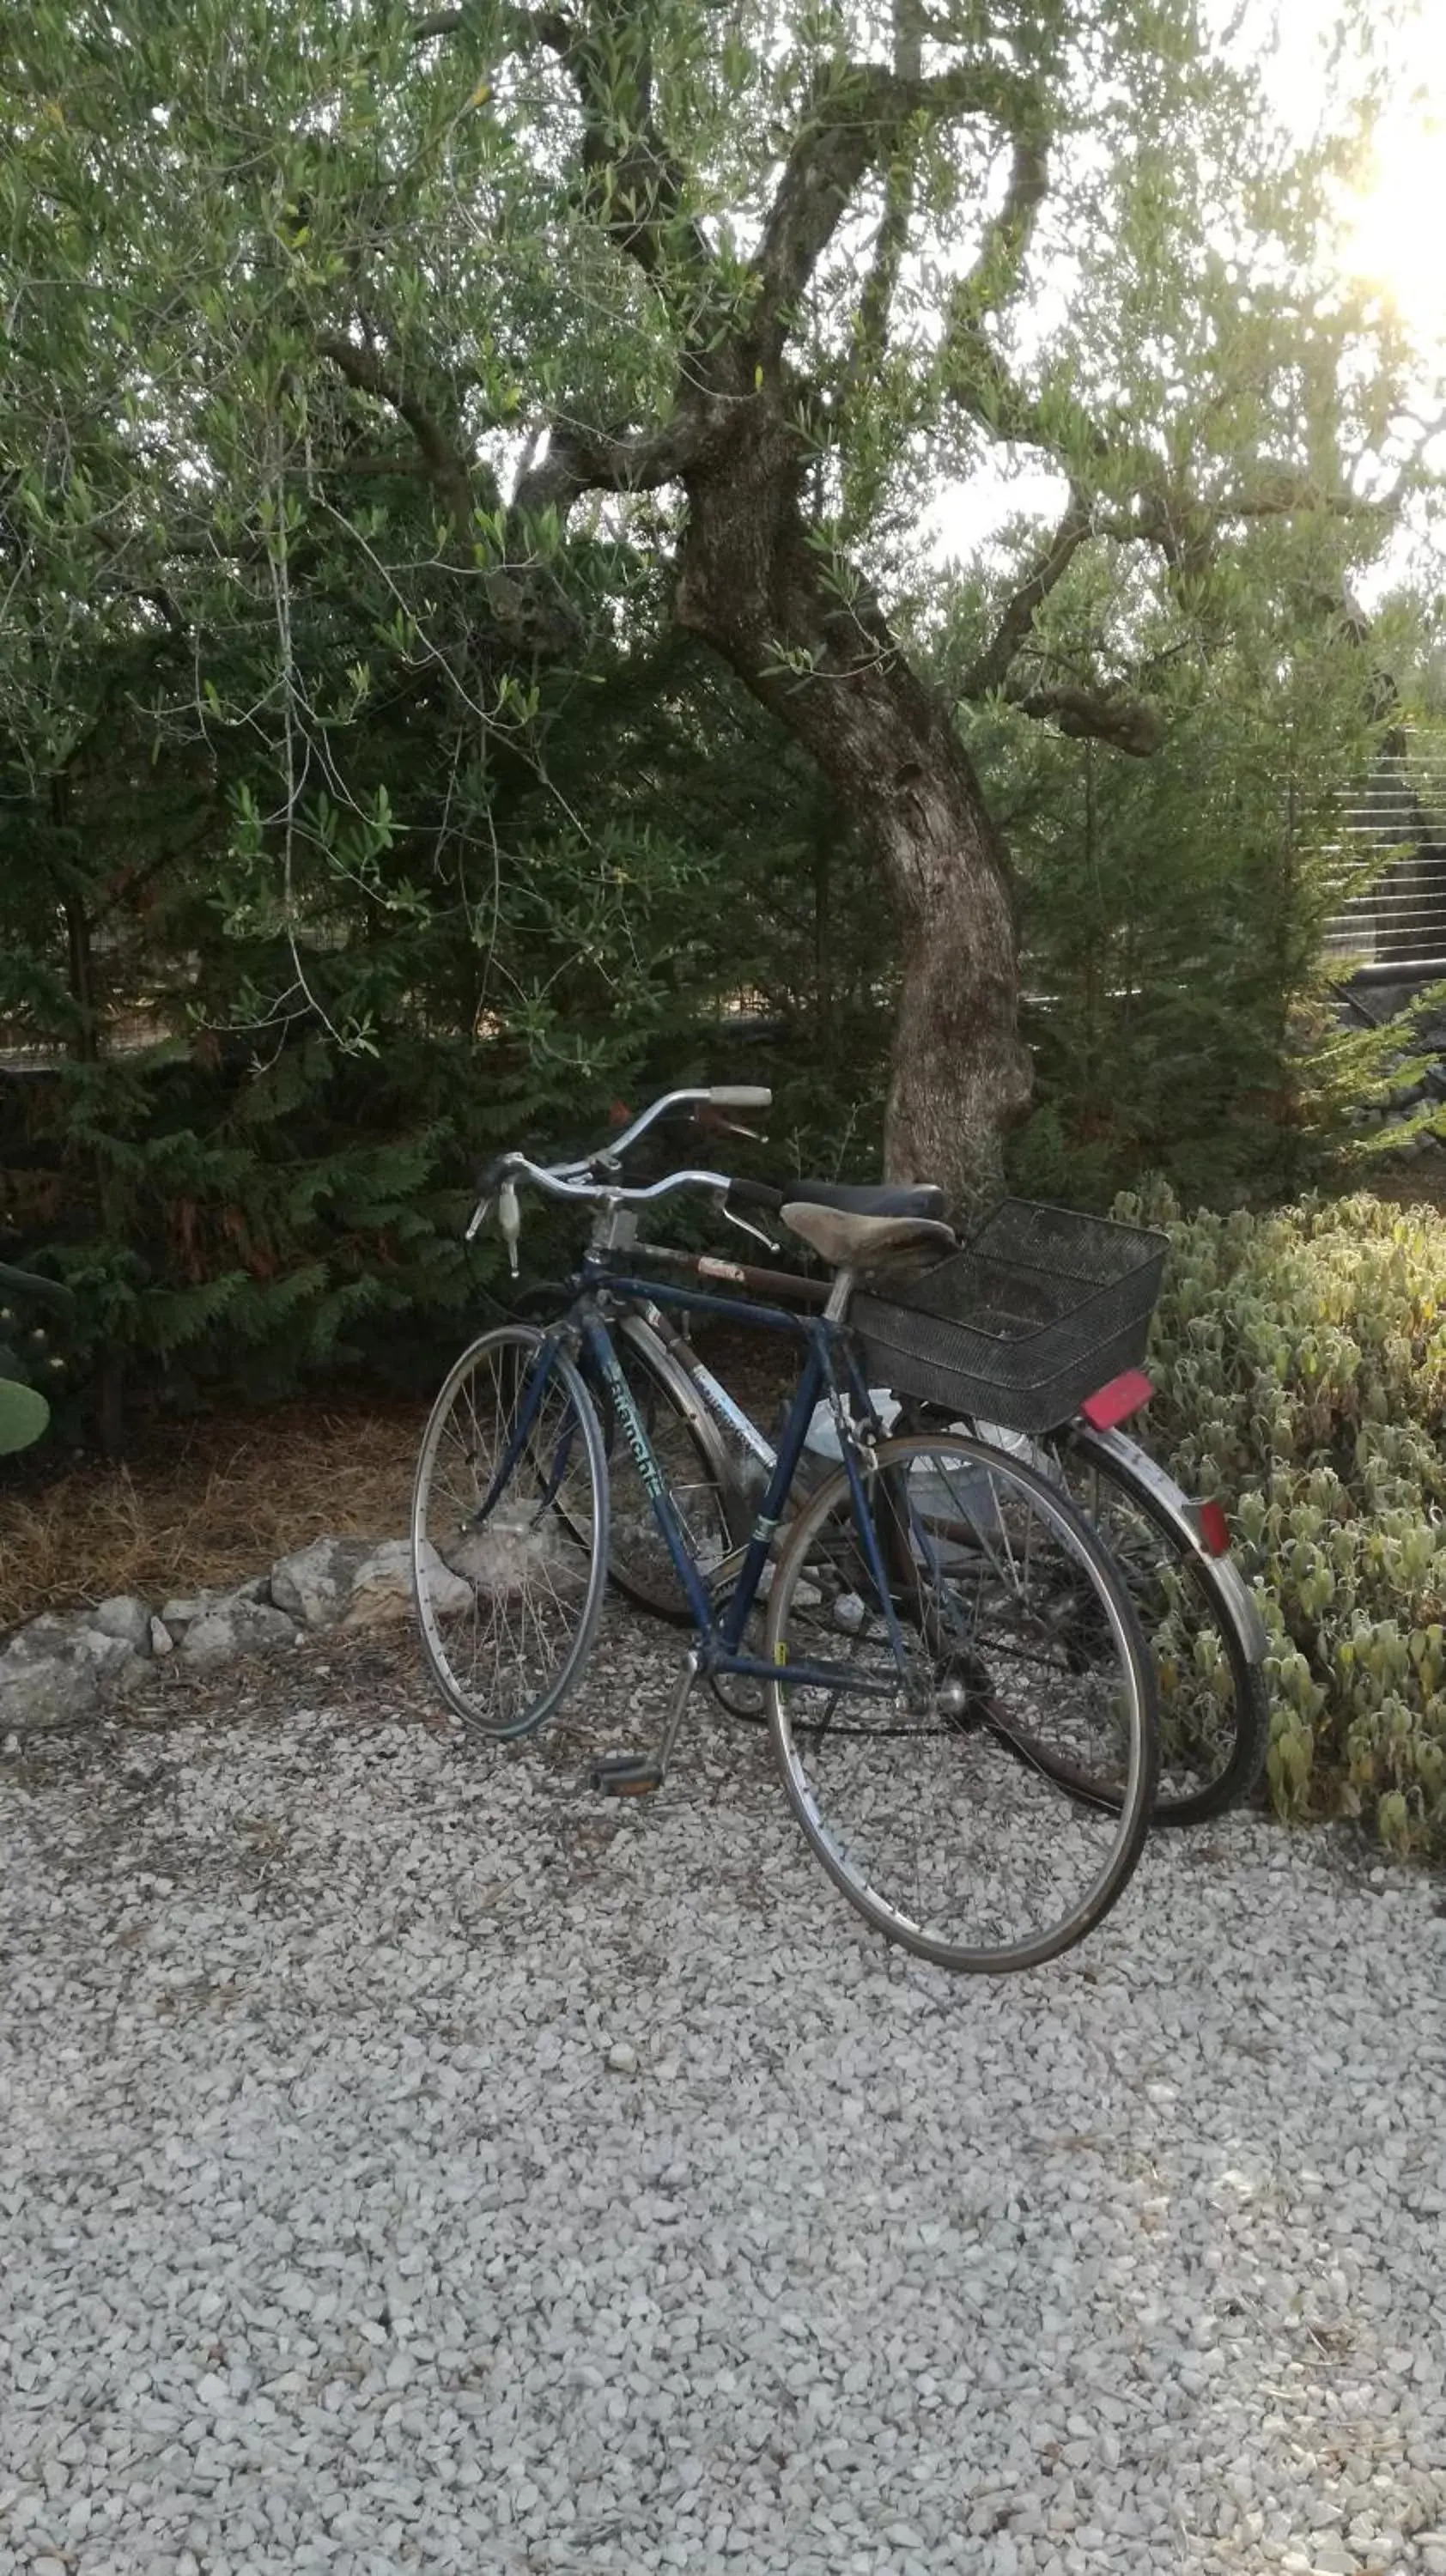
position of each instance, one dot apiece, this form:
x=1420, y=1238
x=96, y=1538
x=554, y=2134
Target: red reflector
x=1117, y=1401
x=1213, y=1526
x=619, y=1115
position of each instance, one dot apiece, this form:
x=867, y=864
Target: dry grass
x=211, y=1502
x=219, y=1500
x=1418, y=1184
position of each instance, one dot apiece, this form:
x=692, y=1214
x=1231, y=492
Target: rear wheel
x=964, y=1714
x=509, y=1532
x=1213, y=1700
x=1214, y=1705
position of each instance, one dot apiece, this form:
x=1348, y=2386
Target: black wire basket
x=1041, y=1308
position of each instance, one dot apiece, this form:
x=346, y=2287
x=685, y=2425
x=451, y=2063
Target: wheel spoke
x=1214, y=1713
x=508, y=1532
x=960, y=1812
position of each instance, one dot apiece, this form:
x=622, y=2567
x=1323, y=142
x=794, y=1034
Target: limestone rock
x=46, y=1691
x=232, y=1626
x=381, y=1587
x=124, y=1615
x=314, y=1585
x=186, y=1608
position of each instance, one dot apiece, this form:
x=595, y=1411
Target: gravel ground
x=408, y=2161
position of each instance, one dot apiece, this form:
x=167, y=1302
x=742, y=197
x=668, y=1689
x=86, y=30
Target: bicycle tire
x=520, y=1558
x=964, y=1635
x=1205, y=1768
x=1232, y=1756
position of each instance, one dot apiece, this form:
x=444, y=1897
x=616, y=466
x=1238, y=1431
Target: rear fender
x=1176, y=1509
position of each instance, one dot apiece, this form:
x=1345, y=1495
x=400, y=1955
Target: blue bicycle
x=958, y=1693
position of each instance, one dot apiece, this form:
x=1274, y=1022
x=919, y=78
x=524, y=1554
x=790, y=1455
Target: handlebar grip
x=740, y=1095
x=490, y=1176
x=757, y=1194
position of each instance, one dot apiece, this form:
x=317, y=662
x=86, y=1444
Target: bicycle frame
x=1237, y=1602
x=719, y=1636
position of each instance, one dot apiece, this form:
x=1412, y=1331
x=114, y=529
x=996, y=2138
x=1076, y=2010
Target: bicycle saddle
x=866, y=1239
x=910, y=1199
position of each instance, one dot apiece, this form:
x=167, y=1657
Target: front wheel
x=943, y=1742
x=509, y=1532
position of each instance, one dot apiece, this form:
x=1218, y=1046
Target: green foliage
x=24, y=1416
x=1301, y=1362
x=360, y=808
x=1173, y=908
x=241, y=1191
x=34, y=1371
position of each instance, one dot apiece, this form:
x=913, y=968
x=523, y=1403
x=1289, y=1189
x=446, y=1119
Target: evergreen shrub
x=1300, y=1360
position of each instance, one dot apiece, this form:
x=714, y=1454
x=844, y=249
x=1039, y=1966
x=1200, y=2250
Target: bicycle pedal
x=627, y=1775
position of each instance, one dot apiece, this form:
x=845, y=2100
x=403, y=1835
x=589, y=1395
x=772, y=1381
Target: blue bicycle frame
x=719, y=1627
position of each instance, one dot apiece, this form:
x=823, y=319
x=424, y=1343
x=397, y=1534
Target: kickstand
x=636, y=1775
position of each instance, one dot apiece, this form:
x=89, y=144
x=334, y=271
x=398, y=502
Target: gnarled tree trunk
x=753, y=587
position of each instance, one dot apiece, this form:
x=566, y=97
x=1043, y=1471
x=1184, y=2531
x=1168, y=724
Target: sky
x=1394, y=229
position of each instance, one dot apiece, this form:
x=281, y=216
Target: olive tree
x=504, y=329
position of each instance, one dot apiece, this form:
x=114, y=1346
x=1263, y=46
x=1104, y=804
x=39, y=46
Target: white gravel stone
x=344, y=2229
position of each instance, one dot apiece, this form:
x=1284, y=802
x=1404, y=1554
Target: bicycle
x=1202, y=1622
x=951, y=1666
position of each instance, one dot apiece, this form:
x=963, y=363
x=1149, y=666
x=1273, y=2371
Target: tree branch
x=990, y=670
x=587, y=460
x=995, y=273
x=449, y=468
x=548, y=26
x=1286, y=494
x=857, y=119
x=1102, y=715
x=871, y=327
x=634, y=184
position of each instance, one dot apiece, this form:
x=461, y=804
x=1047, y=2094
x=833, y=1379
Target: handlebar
x=596, y=1179
x=726, y=1095
x=722, y=1096
x=580, y=1183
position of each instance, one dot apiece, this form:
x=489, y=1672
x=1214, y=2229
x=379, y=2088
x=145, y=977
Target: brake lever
x=509, y=1221
x=480, y=1214
x=743, y=1225
x=716, y=1122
